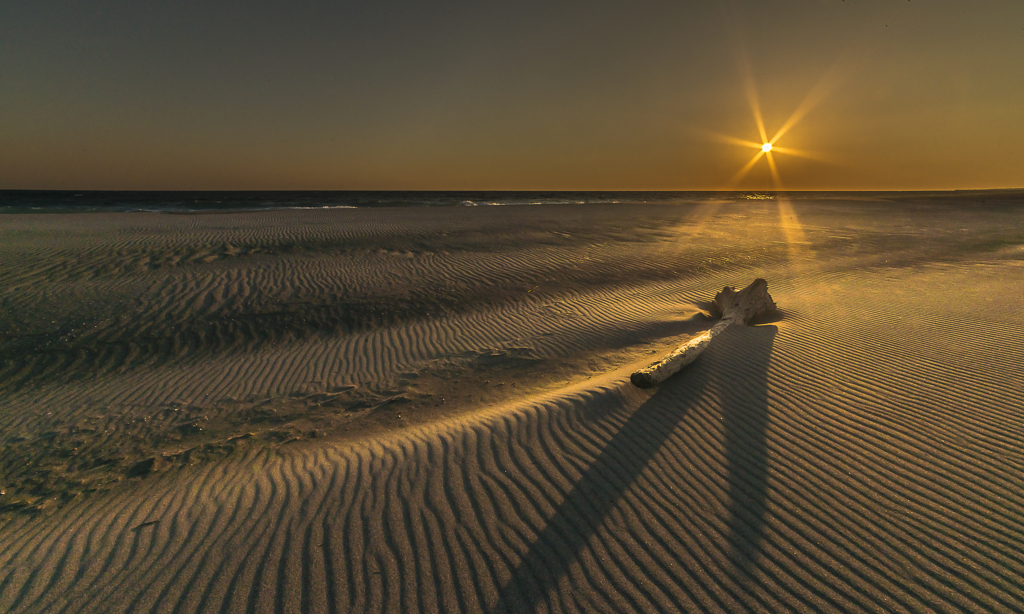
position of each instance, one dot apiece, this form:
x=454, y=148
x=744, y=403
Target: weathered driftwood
x=745, y=305
x=731, y=306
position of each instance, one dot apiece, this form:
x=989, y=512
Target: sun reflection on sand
x=695, y=221
x=790, y=224
x=793, y=230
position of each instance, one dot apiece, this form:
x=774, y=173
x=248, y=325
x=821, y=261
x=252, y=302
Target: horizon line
x=240, y=190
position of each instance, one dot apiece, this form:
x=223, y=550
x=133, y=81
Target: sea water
x=66, y=201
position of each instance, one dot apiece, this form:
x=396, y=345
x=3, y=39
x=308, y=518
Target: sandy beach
x=429, y=409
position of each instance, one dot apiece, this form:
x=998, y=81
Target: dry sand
x=410, y=410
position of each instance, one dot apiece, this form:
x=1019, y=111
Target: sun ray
x=800, y=253
x=776, y=179
x=798, y=153
x=735, y=141
x=738, y=177
x=792, y=229
x=768, y=147
x=751, y=90
x=759, y=119
x=818, y=93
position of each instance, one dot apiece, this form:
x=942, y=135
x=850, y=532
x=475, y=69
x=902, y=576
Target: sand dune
x=429, y=410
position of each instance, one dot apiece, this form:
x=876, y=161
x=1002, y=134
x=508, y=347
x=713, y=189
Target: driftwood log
x=729, y=305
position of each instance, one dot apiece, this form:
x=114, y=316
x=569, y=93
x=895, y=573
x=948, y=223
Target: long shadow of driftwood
x=736, y=365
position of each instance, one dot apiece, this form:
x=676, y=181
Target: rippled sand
x=429, y=410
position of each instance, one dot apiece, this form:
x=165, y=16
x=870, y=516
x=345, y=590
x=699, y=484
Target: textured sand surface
x=407, y=410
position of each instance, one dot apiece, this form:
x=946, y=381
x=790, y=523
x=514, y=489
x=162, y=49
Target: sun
x=766, y=147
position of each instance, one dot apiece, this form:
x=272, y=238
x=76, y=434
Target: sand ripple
x=861, y=453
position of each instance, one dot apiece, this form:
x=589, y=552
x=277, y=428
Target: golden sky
x=411, y=94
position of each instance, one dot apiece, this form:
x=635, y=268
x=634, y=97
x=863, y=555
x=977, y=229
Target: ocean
x=69, y=201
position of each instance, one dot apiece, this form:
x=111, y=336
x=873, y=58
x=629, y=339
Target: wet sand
x=411, y=409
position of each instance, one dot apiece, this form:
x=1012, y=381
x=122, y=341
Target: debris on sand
x=731, y=306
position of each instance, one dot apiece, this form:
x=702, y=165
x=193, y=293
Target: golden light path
x=790, y=224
